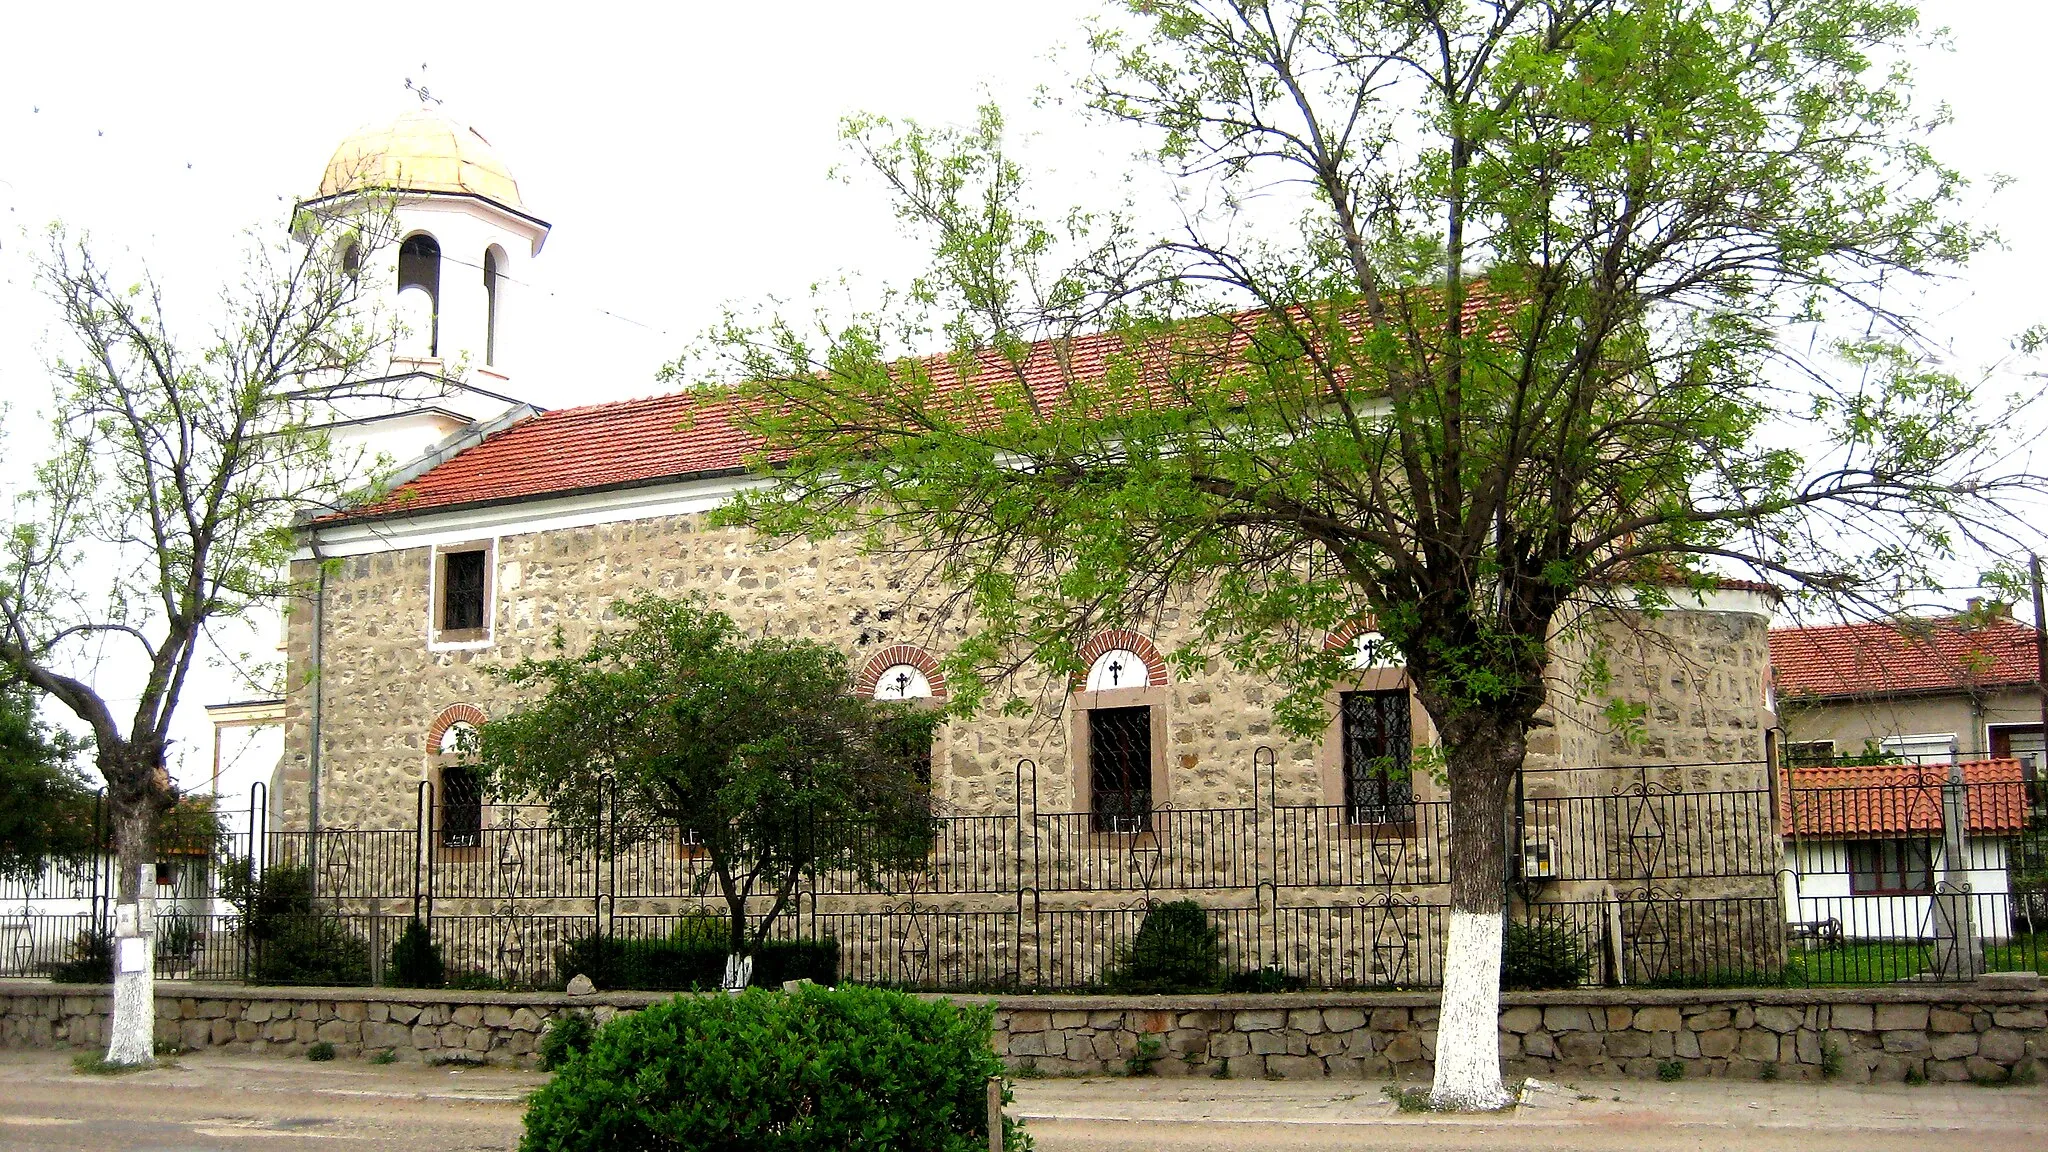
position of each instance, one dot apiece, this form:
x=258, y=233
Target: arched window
x=419, y=294
x=491, y=266
x=352, y=260
x=1119, y=737
x=908, y=674
x=459, y=799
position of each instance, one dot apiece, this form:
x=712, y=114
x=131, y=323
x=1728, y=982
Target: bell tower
x=452, y=272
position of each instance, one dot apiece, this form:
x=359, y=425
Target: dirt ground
x=216, y=1102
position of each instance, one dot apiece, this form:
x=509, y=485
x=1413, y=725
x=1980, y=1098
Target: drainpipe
x=319, y=682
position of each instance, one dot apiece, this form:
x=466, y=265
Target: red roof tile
x=688, y=434
x=1874, y=659
x=1899, y=799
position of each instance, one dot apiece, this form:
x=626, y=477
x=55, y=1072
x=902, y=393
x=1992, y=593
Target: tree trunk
x=1481, y=762
x=131, y=1038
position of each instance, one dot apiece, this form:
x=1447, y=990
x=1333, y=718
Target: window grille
x=462, y=807
x=462, y=592
x=1891, y=867
x=1378, y=749
x=1120, y=769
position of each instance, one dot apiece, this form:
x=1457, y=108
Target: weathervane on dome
x=420, y=89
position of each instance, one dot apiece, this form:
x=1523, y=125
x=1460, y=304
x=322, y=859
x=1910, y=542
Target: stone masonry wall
x=1887, y=1034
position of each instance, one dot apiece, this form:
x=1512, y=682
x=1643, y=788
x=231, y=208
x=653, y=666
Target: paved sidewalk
x=211, y=1102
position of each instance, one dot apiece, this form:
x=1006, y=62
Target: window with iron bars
x=1120, y=769
x=462, y=807
x=1378, y=749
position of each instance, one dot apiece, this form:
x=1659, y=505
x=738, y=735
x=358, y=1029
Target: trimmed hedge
x=822, y=1070
x=1538, y=956
x=1176, y=950
x=691, y=960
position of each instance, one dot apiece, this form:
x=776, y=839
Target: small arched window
x=491, y=268
x=419, y=294
x=459, y=807
x=352, y=260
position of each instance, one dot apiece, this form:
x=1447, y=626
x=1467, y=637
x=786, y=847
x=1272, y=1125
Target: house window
x=1891, y=867
x=1378, y=747
x=462, y=807
x=1120, y=769
x=1927, y=748
x=1801, y=753
x=462, y=595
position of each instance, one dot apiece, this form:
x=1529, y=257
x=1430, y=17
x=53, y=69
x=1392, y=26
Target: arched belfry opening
x=419, y=293
x=494, y=263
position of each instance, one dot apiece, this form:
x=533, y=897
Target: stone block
x=377, y=1012
x=1641, y=1068
x=1539, y=1044
x=1343, y=1019
x=1718, y=1042
x=1778, y=1019
x=352, y=1010
x=1326, y=1043
x=1521, y=1018
x=2011, y=1017
x=1267, y=1043
x=212, y=1009
x=1261, y=1020
x=424, y=1037
x=1510, y=1046
x=2002, y=1045
x=404, y=1013
x=526, y=1020
x=1953, y=1045
x=1948, y=1020
x=1582, y=1049
x=1901, y=1017
x=1391, y=1019
x=1987, y=1071
x=1710, y=1019
x=1908, y=1042
x=386, y=1035
x=1070, y=1020
x=1404, y=1049
x=279, y=1030
x=1759, y=1044
x=1295, y=1067
x=1947, y=1071
x=165, y=1009
x=1027, y=1044
x=1230, y=1044
x=1030, y=1021
x=1308, y=1021
x=195, y=1033
x=1618, y=1017
x=1852, y=1017
x=1658, y=1019
x=305, y=1031
x=479, y=1040
x=1567, y=1018
x=223, y=1031
x=1627, y=1044
x=1663, y=1045
x=1103, y=1046
x=334, y=1031
x=1806, y=1046
x=468, y=1015
x=1343, y=1067
x=1105, y=1019
x=248, y=1031
x=452, y=1036
x=497, y=1016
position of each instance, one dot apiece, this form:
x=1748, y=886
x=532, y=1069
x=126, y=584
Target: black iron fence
x=1645, y=881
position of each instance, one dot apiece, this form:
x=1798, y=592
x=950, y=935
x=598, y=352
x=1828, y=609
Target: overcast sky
x=680, y=151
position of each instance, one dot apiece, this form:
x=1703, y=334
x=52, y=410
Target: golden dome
x=420, y=152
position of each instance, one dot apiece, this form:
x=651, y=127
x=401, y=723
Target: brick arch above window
x=450, y=716
x=1345, y=639
x=897, y=654
x=1123, y=639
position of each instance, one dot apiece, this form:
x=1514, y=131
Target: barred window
x=1120, y=769
x=462, y=807
x=462, y=591
x=1378, y=748
x=1891, y=867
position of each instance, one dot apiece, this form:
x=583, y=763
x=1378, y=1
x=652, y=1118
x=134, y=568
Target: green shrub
x=1263, y=980
x=92, y=961
x=294, y=940
x=1176, y=950
x=320, y=1050
x=1534, y=956
x=415, y=960
x=568, y=1036
x=1671, y=1070
x=823, y=1069
x=692, y=956
x=1148, y=1052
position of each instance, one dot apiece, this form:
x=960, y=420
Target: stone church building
x=1132, y=784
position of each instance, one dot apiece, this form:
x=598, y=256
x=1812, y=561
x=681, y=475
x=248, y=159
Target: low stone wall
x=1859, y=1034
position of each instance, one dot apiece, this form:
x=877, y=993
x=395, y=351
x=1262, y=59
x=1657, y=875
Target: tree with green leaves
x=1473, y=320
x=49, y=810
x=681, y=725
x=164, y=511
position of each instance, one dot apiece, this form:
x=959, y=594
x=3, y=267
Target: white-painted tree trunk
x=1468, y=1026
x=131, y=1035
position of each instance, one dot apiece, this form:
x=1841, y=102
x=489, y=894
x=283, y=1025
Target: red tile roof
x=1899, y=799
x=1876, y=659
x=690, y=434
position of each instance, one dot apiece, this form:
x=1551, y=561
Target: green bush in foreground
x=820, y=1070
x=1536, y=956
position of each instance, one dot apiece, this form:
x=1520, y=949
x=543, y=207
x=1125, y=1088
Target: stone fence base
x=1859, y=1034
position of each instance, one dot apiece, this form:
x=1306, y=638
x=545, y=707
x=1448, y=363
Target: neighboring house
x=1867, y=844
x=531, y=533
x=1924, y=691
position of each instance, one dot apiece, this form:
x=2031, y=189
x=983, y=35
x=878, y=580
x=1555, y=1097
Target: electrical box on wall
x=1539, y=859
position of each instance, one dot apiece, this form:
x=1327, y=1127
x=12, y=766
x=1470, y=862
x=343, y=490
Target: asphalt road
x=210, y=1103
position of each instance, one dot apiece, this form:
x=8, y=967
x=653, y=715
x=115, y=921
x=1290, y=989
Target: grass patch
x=94, y=1064
x=320, y=1051
x=1669, y=1070
x=1408, y=1099
x=387, y=1056
x=1140, y=1062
